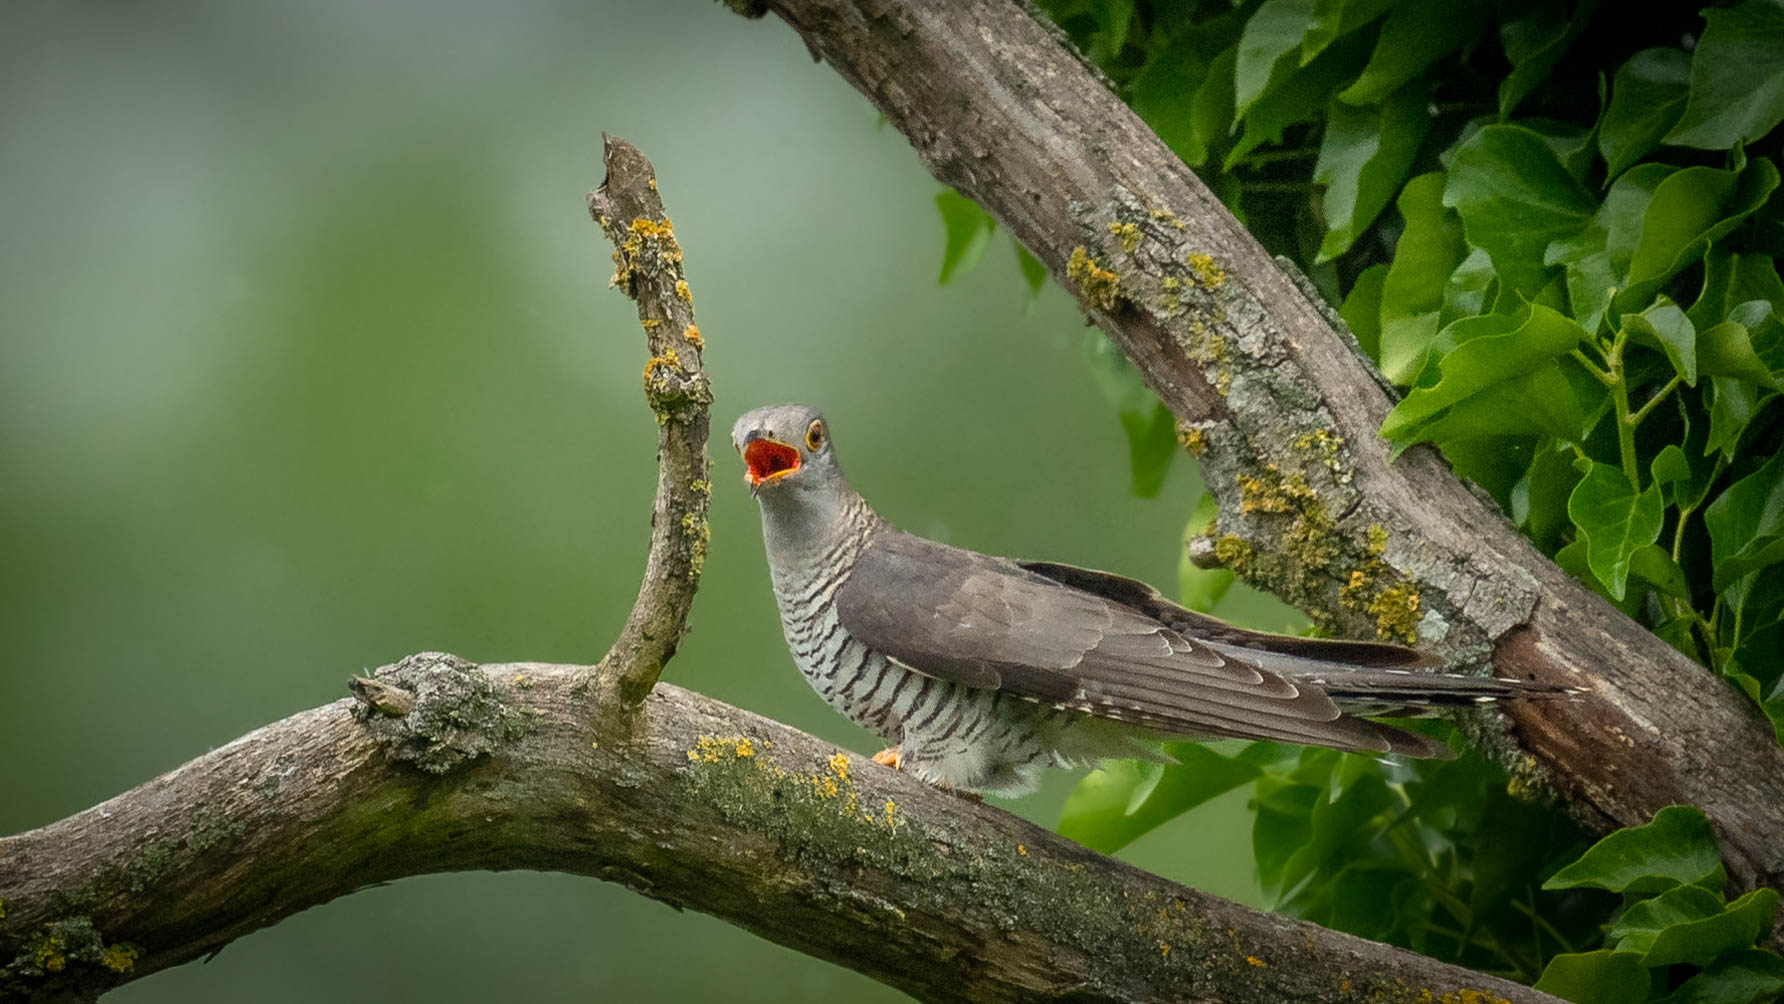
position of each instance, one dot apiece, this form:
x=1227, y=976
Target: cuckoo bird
x=984, y=671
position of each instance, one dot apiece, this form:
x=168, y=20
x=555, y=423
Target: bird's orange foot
x=890, y=757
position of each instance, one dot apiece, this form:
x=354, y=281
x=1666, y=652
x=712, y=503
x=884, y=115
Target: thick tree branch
x=1283, y=412
x=690, y=802
x=647, y=267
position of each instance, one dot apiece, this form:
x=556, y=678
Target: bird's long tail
x=1392, y=692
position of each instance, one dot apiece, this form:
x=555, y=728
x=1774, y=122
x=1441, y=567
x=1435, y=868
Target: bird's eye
x=814, y=436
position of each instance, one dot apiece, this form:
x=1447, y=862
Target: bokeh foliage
x=1555, y=226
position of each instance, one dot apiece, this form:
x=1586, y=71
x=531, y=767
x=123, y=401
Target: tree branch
x=690, y=802
x=647, y=267
x=1283, y=412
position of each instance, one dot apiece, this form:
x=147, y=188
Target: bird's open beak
x=766, y=459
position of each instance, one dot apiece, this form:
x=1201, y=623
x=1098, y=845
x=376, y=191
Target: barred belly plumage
x=947, y=732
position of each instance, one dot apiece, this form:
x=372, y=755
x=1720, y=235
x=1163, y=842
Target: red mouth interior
x=766, y=459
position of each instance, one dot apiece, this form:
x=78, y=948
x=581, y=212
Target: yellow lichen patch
x=1164, y=950
x=1208, y=274
x=1098, y=285
x=839, y=765
x=1022, y=849
x=49, y=956
x=1396, y=612
x=119, y=958
x=2, y=909
x=1129, y=233
x=652, y=182
x=681, y=290
x=716, y=749
x=650, y=324
x=1378, y=539
x=892, y=820
x=1166, y=216
x=691, y=335
x=1467, y=996
x=1234, y=553
x=655, y=378
x=1252, y=960
x=1193, y=439
x=1325, y=446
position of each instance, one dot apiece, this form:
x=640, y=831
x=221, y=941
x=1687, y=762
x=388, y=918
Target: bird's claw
x=890, y=757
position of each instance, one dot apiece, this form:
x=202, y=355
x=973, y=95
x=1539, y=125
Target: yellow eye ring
x=814, y=435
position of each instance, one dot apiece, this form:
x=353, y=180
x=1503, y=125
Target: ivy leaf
x=1677, y=847
x=1280, y=828
x=1124, y=800
x=1737, y=77
x=1416, y=34
x=1692, y=924
x=1616, y=520
x=1727, y=348
x=1497, y=359
x=1682, y=480
x=1750, y=977
x=1299, y=98
x=1647, y=97
x=1602, y=977
x=1666, y=326
x=1732, y=279
x=1534, y=43
x=1746, y=524
x=1654, y=566
x=1691, y=210
x=1733, y=403
x=1268, y=50
x=1515, y=198
x=969, y=230
x=1151, y=431
x=1334, y=19
x=1200, y=589
x=1412, y=294
x=1162, y=95
x=1363, y=158
x=1211, y=112
x=1361, y=310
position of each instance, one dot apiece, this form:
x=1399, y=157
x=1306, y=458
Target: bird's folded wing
x=989, y=623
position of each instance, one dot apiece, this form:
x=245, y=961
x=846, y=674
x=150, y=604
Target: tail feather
x=1382, y=692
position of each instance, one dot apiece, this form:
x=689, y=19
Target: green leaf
x=1746, y=524
x=1416, y=34
x=1733, y=403
x=1727, y=348
x=969, y=230
x=1200, y=589
x=1665, y=326
x=1677, y=847
x=1112, y=806
x=1737, y=77
x=1592, y=275
x=1301, y=97
x=1269, y=50
x=1534, y=43
x=1692, y=924
x=1521, y=360
x=1602, y=977
x=1361, y=310
x=1363, y=158
x=1334, y=19
x=1654, y=566
x=1515, y=198
x=1539, y=500
x=1616, y=521
x=1280, y=828
x=1750, y=977
x=1162, y=94
x=1412, y=294
x=1211, y=113
x=1034, y=274
x=1647, y=98
x=1572, y=560
x=1733, y=279
x=1682, y=479
x=1151, y=430
x=1335, y=820
x=1691, y=210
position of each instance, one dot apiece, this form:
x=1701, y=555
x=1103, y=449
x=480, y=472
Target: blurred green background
x=307, y=361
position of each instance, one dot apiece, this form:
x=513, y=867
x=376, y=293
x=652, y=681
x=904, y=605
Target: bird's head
x=786, y=451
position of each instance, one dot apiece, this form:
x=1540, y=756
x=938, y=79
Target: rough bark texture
x=1283, y=412
x=688, y=801
x=647, y=267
